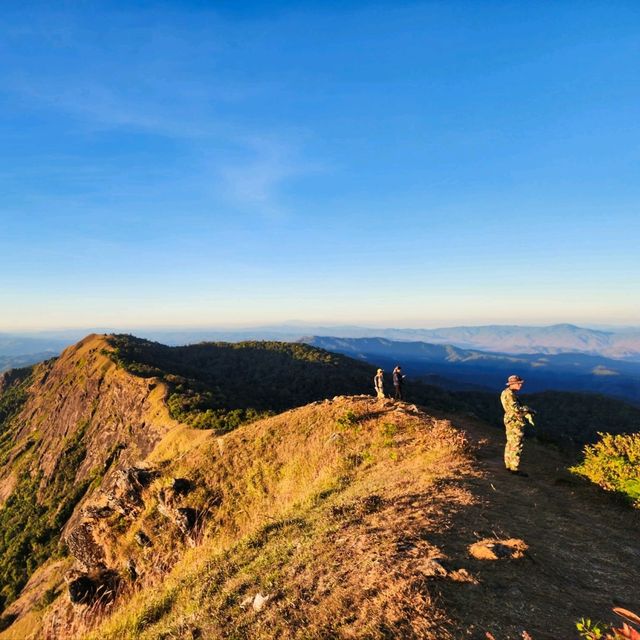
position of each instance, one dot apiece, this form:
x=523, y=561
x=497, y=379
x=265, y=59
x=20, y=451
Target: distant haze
x=562, y=338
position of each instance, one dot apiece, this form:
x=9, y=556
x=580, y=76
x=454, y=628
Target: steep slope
x=344, y=518
x=356, y=518
x=69, y=427
x=72, y=422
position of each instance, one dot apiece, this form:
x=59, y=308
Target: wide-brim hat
x=514, y=380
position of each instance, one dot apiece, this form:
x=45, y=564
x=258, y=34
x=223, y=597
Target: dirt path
x=583, y=556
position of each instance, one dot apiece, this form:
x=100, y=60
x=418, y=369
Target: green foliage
x=12, y=399
x=222, y=385
x=614, y=464
x=607, y=631
x=388, y=432
x=591, y=630
x=32, y=518
x=347, y=421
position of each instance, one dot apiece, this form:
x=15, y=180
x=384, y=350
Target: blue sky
x=405, y=164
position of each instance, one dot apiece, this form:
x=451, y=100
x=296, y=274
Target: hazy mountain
x=16, y=345
x=15, y=362
x=560, y=338
x=622, y=343
x=570, y=371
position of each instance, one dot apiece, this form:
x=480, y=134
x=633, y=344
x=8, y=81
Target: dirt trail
x=584, y=546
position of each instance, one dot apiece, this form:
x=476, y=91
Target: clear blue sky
x=387, y=163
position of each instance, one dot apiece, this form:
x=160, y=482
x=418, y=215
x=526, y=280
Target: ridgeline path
x=583, y=555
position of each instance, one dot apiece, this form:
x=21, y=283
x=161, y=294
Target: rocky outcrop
x=83, y=547
x=125, y=495
x=89, y=588
x=99, y=566
x=184, y=518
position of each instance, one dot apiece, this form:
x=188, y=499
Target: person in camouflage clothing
x=515, y=417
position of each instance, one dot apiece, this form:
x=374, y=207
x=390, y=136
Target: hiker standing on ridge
x=515, y=415
x=378, y=383
x=397, y=382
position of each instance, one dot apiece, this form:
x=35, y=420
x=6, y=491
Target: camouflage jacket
x=513, y=409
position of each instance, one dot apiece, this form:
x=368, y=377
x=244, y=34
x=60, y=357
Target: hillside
x=347, y=517
x=356, y=518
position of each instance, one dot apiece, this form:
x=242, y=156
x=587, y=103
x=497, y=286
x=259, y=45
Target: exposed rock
x=126, y=494
x=141, y=477
x=186, y=519
x=256, y=602
x=113, y=455
x=97, y=512
x=82, y=546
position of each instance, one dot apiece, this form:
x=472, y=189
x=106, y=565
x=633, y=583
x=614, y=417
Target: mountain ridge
x=186, y=524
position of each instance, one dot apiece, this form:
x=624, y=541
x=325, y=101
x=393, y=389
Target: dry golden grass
x=358, y=518
x=327, y=510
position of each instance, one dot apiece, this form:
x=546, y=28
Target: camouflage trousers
x=515, y=443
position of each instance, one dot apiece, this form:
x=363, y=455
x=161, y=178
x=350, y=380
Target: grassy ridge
x=301, y=495
x=221, y=385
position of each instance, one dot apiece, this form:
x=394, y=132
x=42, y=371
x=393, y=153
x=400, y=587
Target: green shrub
x=348, y=420
x=613, y=463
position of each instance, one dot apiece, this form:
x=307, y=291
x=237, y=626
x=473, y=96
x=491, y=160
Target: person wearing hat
x=378, y=383
x=515, y=415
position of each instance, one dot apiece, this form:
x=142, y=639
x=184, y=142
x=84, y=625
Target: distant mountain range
x=17, y=362
x=21, y=351
x=623, y=343
x=459, y=369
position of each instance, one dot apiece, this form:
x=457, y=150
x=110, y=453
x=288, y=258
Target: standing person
x=515, y=415
x=397, y=382
x=378, y=383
